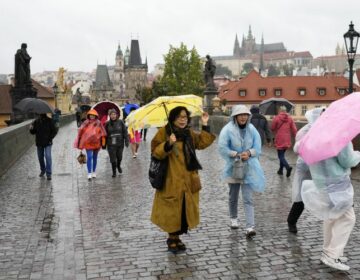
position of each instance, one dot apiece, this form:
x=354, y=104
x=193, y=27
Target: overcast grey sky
x=76, y=34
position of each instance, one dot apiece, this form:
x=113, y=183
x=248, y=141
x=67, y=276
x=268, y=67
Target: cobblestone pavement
x=70, y=228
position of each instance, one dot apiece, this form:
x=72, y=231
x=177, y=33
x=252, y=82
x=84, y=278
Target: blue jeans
x=246, y=192
x=283, y=162
x=91, y=160
x=44, y=155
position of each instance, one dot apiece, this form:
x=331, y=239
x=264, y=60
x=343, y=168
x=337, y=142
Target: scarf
x=184, y=135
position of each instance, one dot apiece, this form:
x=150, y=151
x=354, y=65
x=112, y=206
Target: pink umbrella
x=334, y=129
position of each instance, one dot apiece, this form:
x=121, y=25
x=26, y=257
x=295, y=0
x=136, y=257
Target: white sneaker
x=89, y=176
x=234, y=223
x=93, y=175
x=343, y=259
x=250, y=232
x=334, y=263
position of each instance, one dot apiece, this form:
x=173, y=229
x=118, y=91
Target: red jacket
x=91, y=135
x=283, y=127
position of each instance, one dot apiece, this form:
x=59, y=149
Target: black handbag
x=157, y=172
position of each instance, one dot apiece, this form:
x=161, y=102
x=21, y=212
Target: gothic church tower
x=119, y=76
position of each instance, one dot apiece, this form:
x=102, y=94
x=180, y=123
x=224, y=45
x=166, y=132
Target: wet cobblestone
x=69, y=228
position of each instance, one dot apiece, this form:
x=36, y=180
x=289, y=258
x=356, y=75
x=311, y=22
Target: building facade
x=126, y=77
x=135, y=71
x=304, y=92
x=261, y=55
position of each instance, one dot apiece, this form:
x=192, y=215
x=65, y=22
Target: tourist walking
x=45, y=130
x=329, y=196
x=91, y=137
x=302, y=172
x=261, y=124
x=283, y=127
x=117, y=138
x=176, y=206
x=239, y=142
x=135, y=139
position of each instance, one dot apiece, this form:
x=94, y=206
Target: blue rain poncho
x=330, y=193
x=302, y=171
x=231, y=139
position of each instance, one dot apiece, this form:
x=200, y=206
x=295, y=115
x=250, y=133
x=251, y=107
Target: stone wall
x=16, y=140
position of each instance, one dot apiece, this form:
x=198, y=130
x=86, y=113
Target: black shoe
x=48, y=178
x=119, y=169
x=280, y=172
x=288, y=172
x=42, y=173
x=292, y=228
x=180, y=245
x=113, y=175
x=172, y=245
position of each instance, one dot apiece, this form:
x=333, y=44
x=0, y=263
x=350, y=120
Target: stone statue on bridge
x=209, y=73
x=22, y=67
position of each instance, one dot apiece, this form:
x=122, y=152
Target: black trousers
x=295, y=212
x=115, y=153
x=184, y=224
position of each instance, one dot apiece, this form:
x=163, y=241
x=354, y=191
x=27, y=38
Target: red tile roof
x=289, y=86
x=42, y=92
x=303, y=54
x=5, y=98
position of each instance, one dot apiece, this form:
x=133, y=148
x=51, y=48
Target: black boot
x=294, y=214
x=118, y=166
x=113, y=165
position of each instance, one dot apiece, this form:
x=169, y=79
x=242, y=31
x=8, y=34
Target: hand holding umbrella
x=172, y=139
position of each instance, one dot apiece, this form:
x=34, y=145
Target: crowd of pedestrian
x=324, y=187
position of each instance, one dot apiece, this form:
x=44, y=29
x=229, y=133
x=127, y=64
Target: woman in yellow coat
x=176, y=205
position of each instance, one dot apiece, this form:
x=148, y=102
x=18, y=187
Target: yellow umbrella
x=155, y=113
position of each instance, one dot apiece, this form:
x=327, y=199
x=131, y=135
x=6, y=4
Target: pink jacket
x=283, y=127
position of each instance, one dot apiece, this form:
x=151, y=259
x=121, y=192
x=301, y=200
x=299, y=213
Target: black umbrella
x=270, y=106
x=34, y=105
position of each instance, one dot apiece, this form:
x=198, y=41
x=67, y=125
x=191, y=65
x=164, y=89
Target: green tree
x=182, y=72
x=144, y=94
x=223, y=70
x=288, y=69
x=247, y=67
x=273, y=71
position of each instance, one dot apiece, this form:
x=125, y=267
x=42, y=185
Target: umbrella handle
x=171, y=129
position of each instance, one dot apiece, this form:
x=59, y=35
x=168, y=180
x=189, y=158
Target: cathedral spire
x=261, y=65
x=119, y=51
x=337, y=50
x=236, y=51
x=250, y=37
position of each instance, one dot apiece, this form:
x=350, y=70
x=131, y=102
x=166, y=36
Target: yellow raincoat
x=180, y=183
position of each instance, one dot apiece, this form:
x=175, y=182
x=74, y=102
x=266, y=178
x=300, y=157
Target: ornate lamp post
x=55, y=90
x=351, y=41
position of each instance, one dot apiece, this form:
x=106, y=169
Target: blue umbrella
x=128, y=107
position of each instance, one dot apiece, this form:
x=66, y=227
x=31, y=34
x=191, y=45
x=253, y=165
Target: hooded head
x=240, y=115
x=111, y=111
x=93, y=113
x=314, y=114
x=240, y=109
x=255, y=109
x=113, y=114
